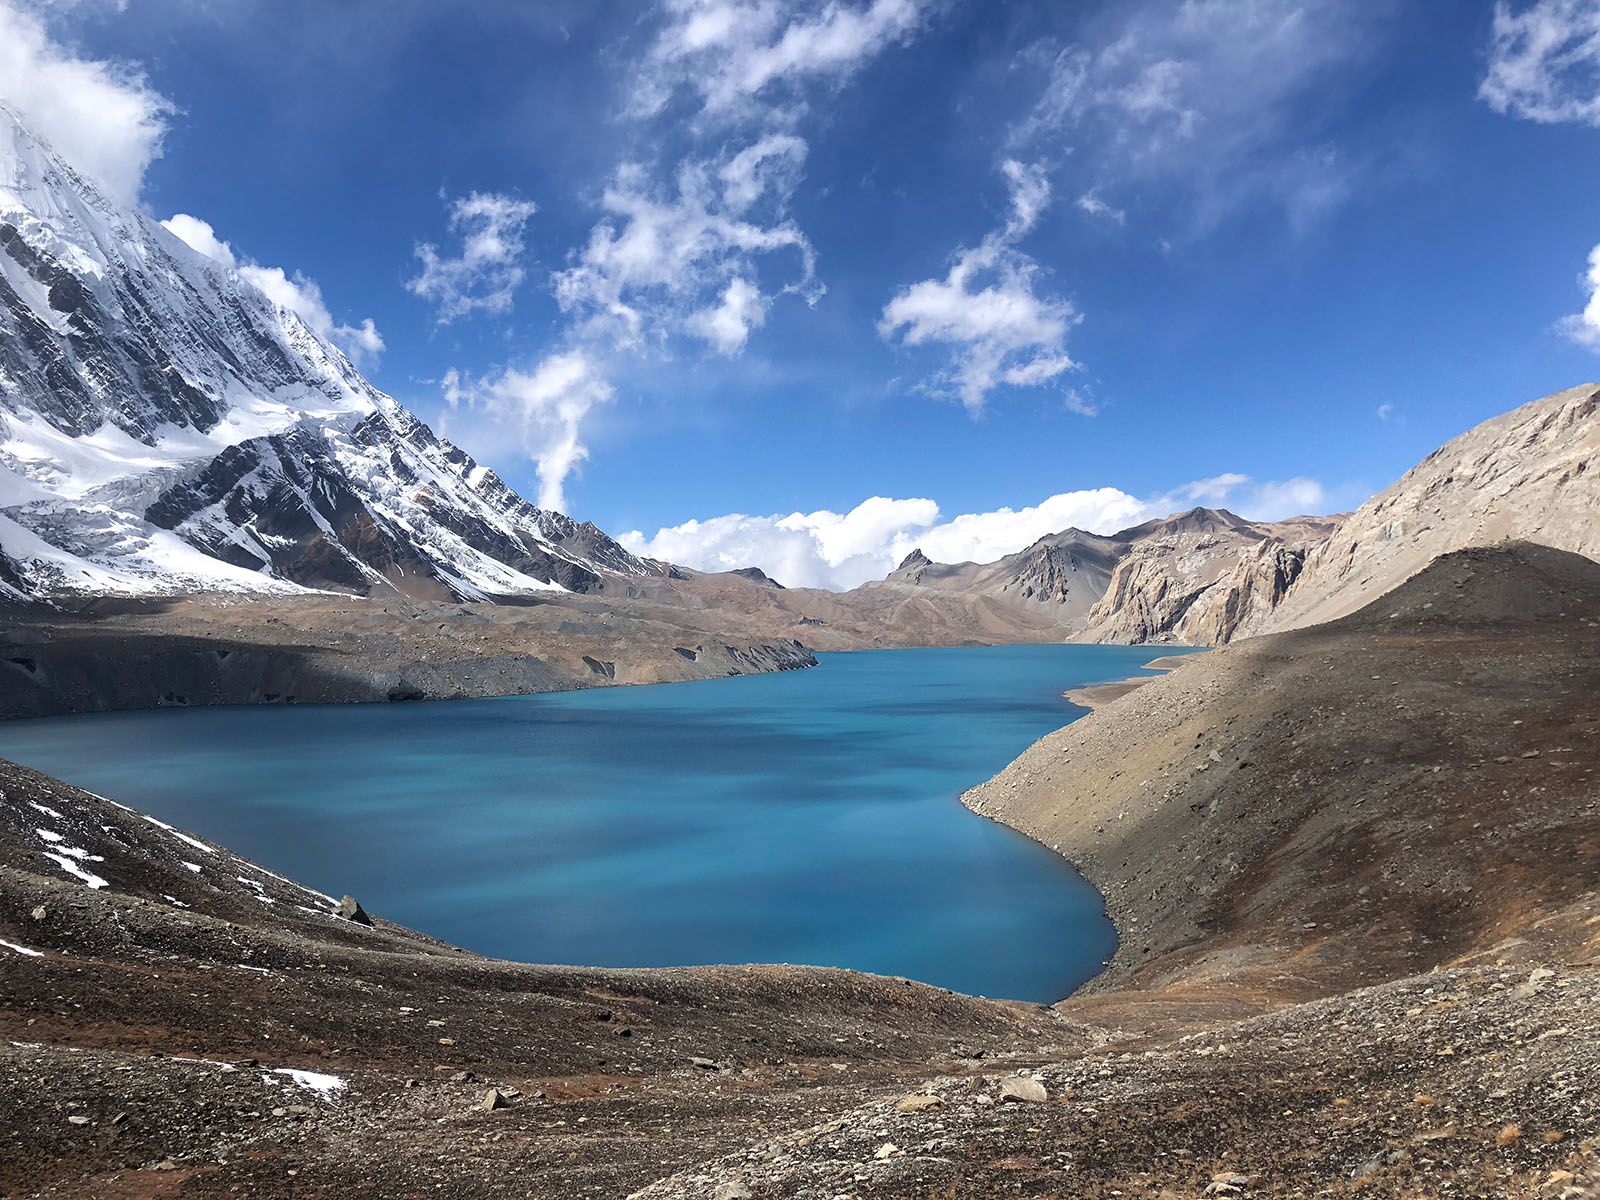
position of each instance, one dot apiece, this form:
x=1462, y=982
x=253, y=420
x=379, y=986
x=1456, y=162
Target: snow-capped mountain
x=165, y=427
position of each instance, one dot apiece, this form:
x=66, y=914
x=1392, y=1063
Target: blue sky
x=742, y=259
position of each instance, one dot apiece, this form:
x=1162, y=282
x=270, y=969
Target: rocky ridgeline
x=168, y=429
x=1532, y=474
x=1207, y=576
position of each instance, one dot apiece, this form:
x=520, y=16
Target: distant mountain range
x=1193, y=577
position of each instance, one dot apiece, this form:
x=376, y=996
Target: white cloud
x=543, y=410
x=842, y=550
x=300, y=295
x=199, y=236
x=685, y=258
x=1207, y=96
x=1091, y=203
x=1289, y=498
x=486, y=274
x=103, y=117
x=700, y=243
x=1584, y=328
x=1544, y=62
x=362, y=343
x=727, y=326
x=1000, y=331
x=1385, y=412
x=736, y=54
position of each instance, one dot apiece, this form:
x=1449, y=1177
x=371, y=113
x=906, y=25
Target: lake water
x=807, y=817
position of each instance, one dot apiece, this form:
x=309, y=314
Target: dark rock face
x=350, y=909
x=757, y=575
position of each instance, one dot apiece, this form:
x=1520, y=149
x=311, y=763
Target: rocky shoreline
x=1096, y=695
x=333, y=649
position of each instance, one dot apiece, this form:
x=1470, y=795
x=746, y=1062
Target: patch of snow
x=72, y=868
x=326, y=1086
x=46, y=810
x=21, y=950
x=68, y=857
x=195, y=867
x=174, y=901
x=182, y=837
x=257, y=970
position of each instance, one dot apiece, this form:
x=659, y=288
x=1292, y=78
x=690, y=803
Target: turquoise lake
x=807, y=817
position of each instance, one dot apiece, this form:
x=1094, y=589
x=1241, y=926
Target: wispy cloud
x=695, y=241
x=736, y=57
x=486, y=273
x=1207, y=96
x=1544, y=66
x=104, y=117
x=1091, y=203
x=1544, y=62
x=544, y=408
x=999, y=330
x=361, y=343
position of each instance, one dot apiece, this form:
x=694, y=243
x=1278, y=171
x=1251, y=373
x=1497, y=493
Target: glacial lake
x=807, y=817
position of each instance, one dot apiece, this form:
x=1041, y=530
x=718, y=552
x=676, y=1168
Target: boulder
x=1019, y=1089
x=350, y=910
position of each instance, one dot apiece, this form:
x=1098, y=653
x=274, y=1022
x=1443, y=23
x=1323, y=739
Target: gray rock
x=492, y=1099
x=350, y=910
x=1019, y=1089
x=731, y=1189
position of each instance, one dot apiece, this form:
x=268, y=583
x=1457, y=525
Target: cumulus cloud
x=542, y=409
x=485, y=275
x=1206, y=96
x=999, y=330
x=1544, y=62
x=838, y=551
x=686, y=257
x=103, y=117
x=733, y=55
x=1584, y=327
x=361, y=343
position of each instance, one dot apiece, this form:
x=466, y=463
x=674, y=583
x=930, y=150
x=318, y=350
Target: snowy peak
x=165, y=427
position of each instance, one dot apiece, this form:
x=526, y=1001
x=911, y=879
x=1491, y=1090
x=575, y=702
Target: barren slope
x=1296, y=814
x=1531, y=474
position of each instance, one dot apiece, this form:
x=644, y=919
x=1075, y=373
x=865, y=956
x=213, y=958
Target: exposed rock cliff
x=1532, y=474
x=1194, y=579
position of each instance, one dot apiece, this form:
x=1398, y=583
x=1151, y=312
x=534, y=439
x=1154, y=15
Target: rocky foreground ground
x=1356, y=870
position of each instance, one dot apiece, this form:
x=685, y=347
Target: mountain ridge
x=168, y=428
